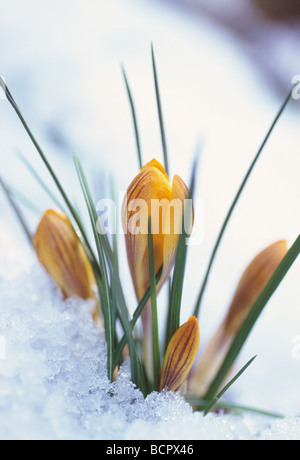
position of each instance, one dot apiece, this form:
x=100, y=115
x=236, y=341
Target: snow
x=63, y=68
x=53, y=381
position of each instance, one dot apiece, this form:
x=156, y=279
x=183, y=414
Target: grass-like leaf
x=115, y=227
x=137, y=372
x=200, y=405
x=134, y=119
x=233, y=205
x=104, y=287
x=24, y=200
x=40, y=181
x=160, y=114
x=227, y=386
x=106, y=253
x=136, y=315
x=173, y=315
x=252, y=317
x=16, y=210
x=52, y=173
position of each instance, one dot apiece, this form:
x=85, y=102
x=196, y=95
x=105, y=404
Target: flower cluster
x=63, y=255
x=156, y=227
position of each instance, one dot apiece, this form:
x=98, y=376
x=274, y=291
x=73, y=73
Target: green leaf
x=40, y=181
x=104, y=287
x=233, y=205
x=136, y=315
x=16, y=210
x=173, y=316
x=231, y=382
x=134, y=118
x=252, y=317
x=137, y=372
x=160, y=114
x=106, y=253
x=64, y=195
x=200, y=404
x=25, y=201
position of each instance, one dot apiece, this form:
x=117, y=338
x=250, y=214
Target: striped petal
x=251, y=284
x=151, y=193
x=180, y=355
x=60, y=251
x=173, y=226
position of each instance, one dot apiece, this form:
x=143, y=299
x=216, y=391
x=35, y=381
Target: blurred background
x=224, y=69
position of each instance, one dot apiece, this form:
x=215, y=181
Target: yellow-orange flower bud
x=151, y=193
x=251, y=284
x=180, y=355
x=60, y=251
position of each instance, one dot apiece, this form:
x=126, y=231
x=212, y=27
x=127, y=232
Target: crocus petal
x=60, y=251
x=151, y=194
x=180, y=355
x=150, y=185
x=173, y=226
x=251, y=284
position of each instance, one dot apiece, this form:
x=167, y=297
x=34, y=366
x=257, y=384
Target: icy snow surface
x=53, y=383
x=62, y=63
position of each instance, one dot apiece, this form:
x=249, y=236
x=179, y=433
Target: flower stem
x=155, y=334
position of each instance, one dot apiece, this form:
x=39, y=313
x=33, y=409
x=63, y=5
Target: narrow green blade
x=136, y=315
x=134, y=119
x=64, y=195
x=160, y=114
x=200, y=405
x=25, y=201
x=106, y=254
x=16, y=210
x=229, y=384
x=40, y=181
x=104, y=290
x=233, y=205
x=173, y=316
x=252, y=317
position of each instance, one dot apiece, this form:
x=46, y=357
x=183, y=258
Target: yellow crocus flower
x=151, y=193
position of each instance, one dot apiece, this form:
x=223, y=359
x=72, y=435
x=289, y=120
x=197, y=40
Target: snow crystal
x=53, y=382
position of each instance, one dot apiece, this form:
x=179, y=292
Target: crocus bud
x=251, y=284
x=180, y=355
x=60, y=251
x=151, y=194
